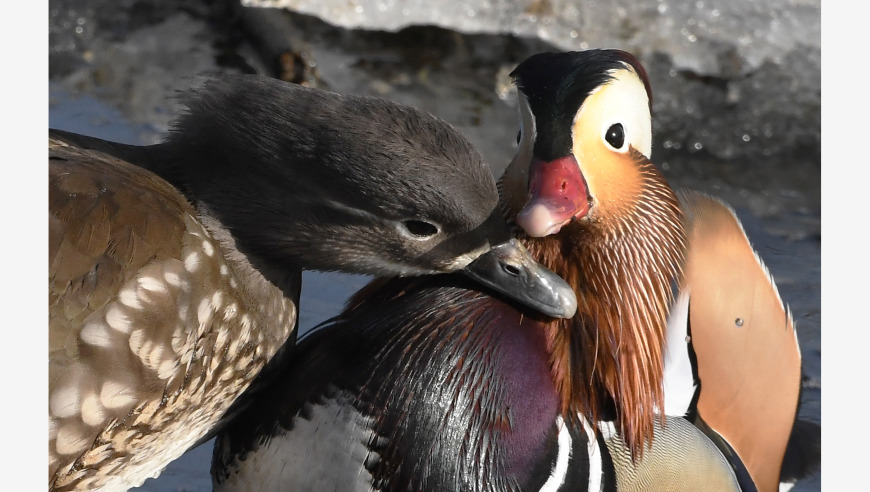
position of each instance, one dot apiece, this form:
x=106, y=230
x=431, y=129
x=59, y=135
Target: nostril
x=511, y=270
x=564, y=185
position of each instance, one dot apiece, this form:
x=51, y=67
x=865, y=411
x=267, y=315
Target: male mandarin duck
x=734, y=361
x=175, y=269
x=424, y=385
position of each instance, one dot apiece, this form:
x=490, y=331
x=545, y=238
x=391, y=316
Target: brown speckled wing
x=152, y=332
x=107, y=220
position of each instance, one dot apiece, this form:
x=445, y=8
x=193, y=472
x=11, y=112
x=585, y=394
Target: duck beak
x=557, y=195
x=510, y=269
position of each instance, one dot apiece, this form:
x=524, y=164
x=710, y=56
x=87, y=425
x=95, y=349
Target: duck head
x=599, y=213
x=304, y=178
x=584, y=118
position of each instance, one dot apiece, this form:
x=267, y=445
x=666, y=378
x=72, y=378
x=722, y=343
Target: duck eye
x=420, y=229
x=615, y=136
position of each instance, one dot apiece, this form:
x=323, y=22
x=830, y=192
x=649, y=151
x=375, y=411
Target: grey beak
x=509, y=269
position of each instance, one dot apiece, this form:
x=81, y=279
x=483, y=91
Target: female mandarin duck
x=420, y=385
x=175, y=269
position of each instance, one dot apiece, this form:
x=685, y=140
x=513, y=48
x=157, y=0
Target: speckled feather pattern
x=180, y=337
x=263, y=178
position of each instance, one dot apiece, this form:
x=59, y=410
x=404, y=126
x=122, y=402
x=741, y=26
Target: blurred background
x=736, y=101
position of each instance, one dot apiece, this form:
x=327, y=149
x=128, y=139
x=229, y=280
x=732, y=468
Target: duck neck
x=622, y=269
x=460, y=369
x=260, y=278
x=247, y=191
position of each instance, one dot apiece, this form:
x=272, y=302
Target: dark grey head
x=334, y=182
x=312, y=179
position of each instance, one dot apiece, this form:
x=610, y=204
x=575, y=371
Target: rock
x=741, y=79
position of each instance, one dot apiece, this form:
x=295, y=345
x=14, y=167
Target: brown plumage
x=108, y=362
x=621, y=269
x=605, y=219
x=619, y=240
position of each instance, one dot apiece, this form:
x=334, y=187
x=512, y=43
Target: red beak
x=557, y=195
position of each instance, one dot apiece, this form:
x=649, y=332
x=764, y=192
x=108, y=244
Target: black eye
x=615, y=136
x=420, y=229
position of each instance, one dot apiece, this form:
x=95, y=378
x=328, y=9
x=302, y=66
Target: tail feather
x=803, y=454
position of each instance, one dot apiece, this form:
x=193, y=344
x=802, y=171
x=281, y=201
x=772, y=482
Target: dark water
x=119, y=85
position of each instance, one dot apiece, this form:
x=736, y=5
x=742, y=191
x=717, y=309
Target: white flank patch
x=116, y=395
x=64, y=402
x=167, y=368
x=179, y=340
x=191, y=262
x=136, y=341
x=97, y=334
x=595, y=465
x=679, y=385
x=154, y=357
x=217, y=300
x=204, y=311
x=153, y=284
x=172, y=278
x=182, y=311
x=214, y=363
x=116, y=318
x=92, y=410
x=247, y=324
x=70, y=440
x=128, y=297
x=207, y=248
x=223, y=334
x=326, y=452
x=234, y=349
x=557, y=476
